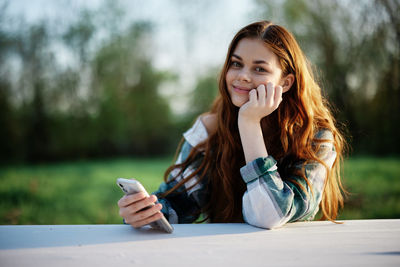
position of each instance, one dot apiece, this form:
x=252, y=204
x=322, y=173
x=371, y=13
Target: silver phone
x=132, y=186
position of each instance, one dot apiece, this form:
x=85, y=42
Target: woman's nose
x=244, y=75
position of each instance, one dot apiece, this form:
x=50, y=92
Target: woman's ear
x=288, y=81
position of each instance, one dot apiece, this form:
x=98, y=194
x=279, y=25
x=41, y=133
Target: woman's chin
x=238, y=103
x=238, y=100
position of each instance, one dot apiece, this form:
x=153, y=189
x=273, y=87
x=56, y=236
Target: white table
x=354, y=243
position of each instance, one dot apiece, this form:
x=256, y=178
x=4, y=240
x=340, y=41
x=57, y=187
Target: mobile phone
x=132, y=186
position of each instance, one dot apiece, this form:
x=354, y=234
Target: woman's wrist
x=246, y=121
x=252, y=139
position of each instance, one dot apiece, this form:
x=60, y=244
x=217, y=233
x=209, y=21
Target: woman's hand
x=132, y=209
x=262, y=102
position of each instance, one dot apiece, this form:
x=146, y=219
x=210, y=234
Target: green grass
x=86, y=193
x=374, y=186
x=71, y=193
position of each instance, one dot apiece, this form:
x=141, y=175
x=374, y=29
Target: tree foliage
x=89, y=88
x=103, y=102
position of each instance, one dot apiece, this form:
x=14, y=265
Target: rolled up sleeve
x=270, y=202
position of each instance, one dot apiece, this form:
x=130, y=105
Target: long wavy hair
x=289, y=133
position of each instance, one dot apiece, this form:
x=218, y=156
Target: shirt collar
x=196, y=134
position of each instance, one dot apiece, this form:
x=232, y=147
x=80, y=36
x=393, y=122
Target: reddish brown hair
x=289, y=132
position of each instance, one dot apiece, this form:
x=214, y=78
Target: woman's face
x=252, y=64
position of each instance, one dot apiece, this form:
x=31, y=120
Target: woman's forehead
x=250, y=49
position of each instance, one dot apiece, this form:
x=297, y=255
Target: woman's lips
x=241, y=90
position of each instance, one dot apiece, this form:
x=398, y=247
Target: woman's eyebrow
x=259, y=61
x=236, y=56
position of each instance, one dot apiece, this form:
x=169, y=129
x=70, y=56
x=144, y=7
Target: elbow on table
x=265, y=222
x=261, y=210
x=276, y=219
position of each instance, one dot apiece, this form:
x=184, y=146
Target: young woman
x=267, y=152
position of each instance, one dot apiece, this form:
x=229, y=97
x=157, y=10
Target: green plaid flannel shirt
x=268, y=202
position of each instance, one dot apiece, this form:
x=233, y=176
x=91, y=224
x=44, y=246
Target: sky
x=214, y=22
x=191, y=37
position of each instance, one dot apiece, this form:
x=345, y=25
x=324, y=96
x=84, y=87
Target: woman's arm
x=252, y=140
x=262, y=102
x=184, y=205
x=181, y=206
x=270, y=202
x=178, y=207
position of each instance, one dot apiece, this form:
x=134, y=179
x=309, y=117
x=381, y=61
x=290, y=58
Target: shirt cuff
x=258, y=167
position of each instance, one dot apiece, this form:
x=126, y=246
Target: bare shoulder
x=210, y=122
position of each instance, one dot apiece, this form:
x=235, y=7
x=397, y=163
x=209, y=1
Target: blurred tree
x=106, y=100
x=75, y=101
x=204, y=94
x=385, y=110
x=132, y=117
x=103, y=102
x=8, y=131
x=79, y=34
x=36, y=59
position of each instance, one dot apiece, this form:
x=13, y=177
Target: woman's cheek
x=258, y=83
x=229, y=76
x=264, y=81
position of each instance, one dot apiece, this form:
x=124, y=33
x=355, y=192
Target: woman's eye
x=260, y=69
x=235, y=64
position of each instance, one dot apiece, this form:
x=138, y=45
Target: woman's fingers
x=262, y=101
x=274, y=96
x=278, y=96
x=261, y=94
x=143, y=217
x=139, y=205
x=156, y=216
x=144, y=214
x=129, y=199
x=139, y=209
x=270, y=94
x=132, y=208
x=253, y=96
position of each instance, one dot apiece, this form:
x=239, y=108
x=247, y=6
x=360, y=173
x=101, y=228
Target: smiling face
x=252, y=63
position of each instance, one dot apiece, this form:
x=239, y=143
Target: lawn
x=374, y=186
x=71, y=193
x=86, y=193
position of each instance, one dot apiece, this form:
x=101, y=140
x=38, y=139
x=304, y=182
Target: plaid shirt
x=268, y=202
